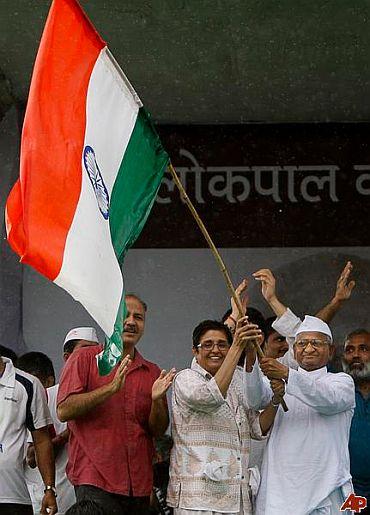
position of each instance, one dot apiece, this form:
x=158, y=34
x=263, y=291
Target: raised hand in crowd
x=243, y=337
x=246, y=333
x=162, y=384
x=343, y=293
x=344, y=285
x=242, y=294
x=268, y=288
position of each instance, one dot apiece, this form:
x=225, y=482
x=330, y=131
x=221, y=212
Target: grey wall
x=183, y=287
x=10, y=271
x=220, y=61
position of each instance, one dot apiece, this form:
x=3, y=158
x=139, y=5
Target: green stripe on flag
x=136, y=185
x=134, y=191
x=113, y=345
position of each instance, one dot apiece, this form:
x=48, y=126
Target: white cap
x=82, y=333
x=313, y=324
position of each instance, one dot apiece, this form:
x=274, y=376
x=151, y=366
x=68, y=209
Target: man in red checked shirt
x=112, y=421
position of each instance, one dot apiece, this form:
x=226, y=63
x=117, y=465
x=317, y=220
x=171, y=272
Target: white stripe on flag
x=90, y=271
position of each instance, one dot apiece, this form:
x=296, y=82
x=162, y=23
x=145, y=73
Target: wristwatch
x=50, y=488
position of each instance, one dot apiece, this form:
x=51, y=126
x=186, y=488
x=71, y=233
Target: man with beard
x=356, y=362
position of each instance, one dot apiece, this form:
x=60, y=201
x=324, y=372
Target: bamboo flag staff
x=217, y=256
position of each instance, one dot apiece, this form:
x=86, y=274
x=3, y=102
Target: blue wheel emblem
x=96, y=179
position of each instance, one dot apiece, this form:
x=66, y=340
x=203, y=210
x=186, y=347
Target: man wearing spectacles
x=305, y=467
x=356, y=362
x=212, y=425
x=287, y=322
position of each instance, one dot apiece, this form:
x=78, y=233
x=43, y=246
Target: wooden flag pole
x=217, y=256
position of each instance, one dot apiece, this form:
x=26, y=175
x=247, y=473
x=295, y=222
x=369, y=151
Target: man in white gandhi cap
x=306, y=468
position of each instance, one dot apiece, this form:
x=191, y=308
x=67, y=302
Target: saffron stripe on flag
x=91, y=166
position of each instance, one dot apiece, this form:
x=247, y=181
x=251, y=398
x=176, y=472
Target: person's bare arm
x=245, y=333
x=79, y=404
x=31, y=456
x=231, y=321
x=58, y=442
x=242, y=294
x=342, y=293
x=46, y=465
x=267, y=416
x=158, y=418
x=268, y=288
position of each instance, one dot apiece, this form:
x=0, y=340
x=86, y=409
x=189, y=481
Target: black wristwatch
x=50, y=488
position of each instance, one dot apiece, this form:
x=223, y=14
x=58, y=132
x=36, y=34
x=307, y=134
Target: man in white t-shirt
x=23, y=406
x=75, y=339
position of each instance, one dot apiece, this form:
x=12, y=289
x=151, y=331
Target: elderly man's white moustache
x=357, y=373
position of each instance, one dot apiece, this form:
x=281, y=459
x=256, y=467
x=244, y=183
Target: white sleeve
x=39, y=411
x=196, y=392
x=287, y=325
x=288, y=358
x=328, y=395
x=257, y=388
x=52, y=393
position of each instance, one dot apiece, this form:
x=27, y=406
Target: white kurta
x=306, y=457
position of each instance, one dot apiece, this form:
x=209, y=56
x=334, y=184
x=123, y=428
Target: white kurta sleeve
x=328, y=395
x=196, y=392
x=288, y=358
x=286, y=325
x=257, y=388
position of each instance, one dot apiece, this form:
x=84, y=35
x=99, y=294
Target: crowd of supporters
x=263, y=421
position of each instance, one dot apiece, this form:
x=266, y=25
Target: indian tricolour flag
x=91, y=165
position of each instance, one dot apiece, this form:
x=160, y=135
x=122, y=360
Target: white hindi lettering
x=360, y=187
x=235, y=183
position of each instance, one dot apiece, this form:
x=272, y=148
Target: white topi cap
x=313, y=324
x=82, y=333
